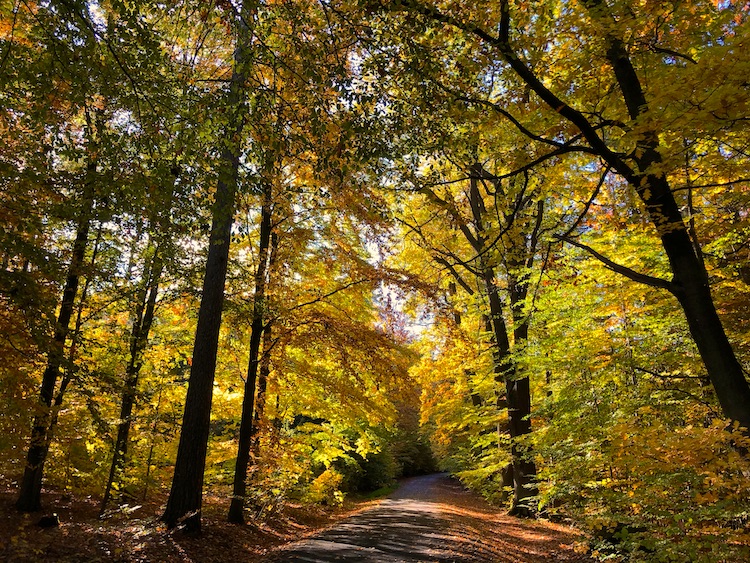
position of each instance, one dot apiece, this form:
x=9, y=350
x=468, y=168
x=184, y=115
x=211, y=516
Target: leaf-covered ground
x=138, y=536
x=431, y=517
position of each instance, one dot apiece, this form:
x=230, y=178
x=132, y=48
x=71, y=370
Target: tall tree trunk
x=265, y=364
x=517, y=390
x=260, y=406
x=518, y=397
x=29, y=498
x=257, y=327
x=185, y=497
x=517, y=401
x=519, y=259
x=143, y=319
x=519, y=405
x=690, y=282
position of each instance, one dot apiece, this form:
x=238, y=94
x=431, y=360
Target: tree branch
x=455, y=274
x=586, y=207
x=502, y=43
x=664, y=376
x=620, y=269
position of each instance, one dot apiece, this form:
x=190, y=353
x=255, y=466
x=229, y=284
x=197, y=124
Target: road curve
x=433, y=518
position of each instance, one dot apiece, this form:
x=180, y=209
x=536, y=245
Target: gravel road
x=434, y=518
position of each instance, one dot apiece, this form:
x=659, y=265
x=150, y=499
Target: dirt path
x=433, y=518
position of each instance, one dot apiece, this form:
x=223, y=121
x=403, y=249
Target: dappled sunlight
x=433, y=518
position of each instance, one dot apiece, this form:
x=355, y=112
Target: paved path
x=433, y=518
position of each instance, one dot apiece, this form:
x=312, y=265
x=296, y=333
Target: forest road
x=435, y=519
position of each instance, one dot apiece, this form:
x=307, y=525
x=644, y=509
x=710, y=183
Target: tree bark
x=185, y=497
x=265, y=364
x=517, y=389
x=29, y=498
x=143, y=319
x=690, y=282
x=257, y=328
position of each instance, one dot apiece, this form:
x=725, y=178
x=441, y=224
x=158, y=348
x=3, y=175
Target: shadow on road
x=433, y=518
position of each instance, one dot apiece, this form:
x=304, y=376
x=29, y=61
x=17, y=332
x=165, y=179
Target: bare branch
x=501, y=42
x=319, y=298
x=451, y=268
x=620, y=269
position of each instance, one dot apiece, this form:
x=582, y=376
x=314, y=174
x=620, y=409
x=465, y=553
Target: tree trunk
x=690, y=279
x=519, y=415
x=517, y=390
x=690, y=283
x=257, y=328
x=517, y=401
x=142, y=321
x=185, y=497
x=29, y=498
x=260, y=406
x=143, y=318
x=265, y=364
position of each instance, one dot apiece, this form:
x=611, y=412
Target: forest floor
x=430, y=518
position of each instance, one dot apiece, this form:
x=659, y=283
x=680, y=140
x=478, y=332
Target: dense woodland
x=292, y=250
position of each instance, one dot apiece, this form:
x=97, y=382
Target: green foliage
x=324, y=489
x=366, y=126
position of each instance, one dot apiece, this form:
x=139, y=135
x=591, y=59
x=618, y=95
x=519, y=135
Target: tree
x=258, y=327
x=519, y=236
x=644, y=167
x=29, y=498
x=185, y=497
x=142, y=320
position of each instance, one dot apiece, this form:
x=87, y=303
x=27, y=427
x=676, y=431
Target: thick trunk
x=520, y=256
x=517, y=402
x=690, y=283
x=519, y=415
x=29, y=498
x=717, y=354
x=185, y=497
x=187, y=484
x=236, y=507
